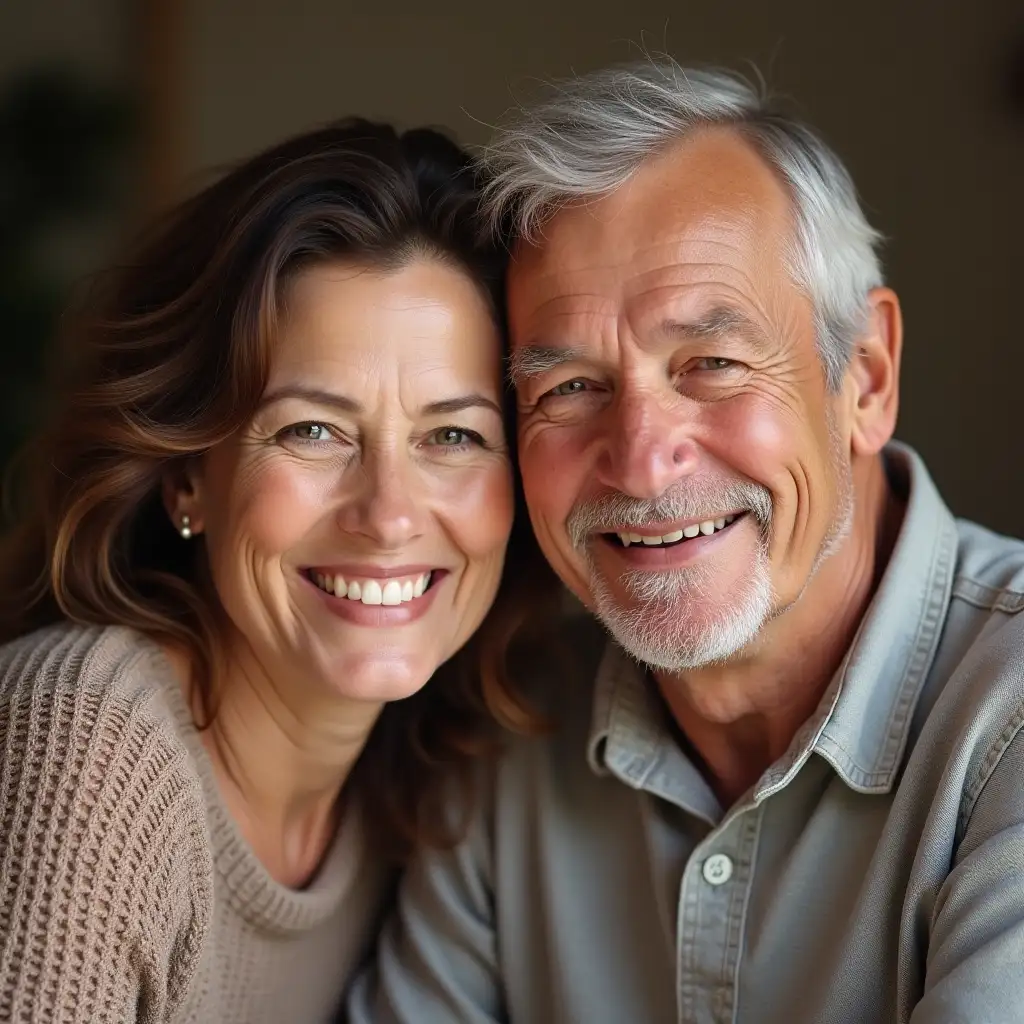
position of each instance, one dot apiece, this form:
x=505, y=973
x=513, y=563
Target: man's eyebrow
x=317, y=396
x=533, y=360
x=720, y=322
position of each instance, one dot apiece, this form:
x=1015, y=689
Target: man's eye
x=715, y=363
x=570, y=387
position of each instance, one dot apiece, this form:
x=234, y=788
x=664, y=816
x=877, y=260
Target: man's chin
x=687, y=631
x=700, y=600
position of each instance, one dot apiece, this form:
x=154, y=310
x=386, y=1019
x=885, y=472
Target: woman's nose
x=388, y=510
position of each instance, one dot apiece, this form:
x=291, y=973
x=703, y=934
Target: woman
x=274, y=504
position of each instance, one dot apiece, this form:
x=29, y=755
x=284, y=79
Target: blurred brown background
x=109, y=109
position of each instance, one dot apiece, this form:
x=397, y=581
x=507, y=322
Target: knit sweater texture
x=127, y=893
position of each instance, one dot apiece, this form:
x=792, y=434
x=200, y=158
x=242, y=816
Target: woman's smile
x=367, y=597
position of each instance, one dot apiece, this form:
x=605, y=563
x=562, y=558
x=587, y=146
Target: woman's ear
x=182, y=492
x=875, y=373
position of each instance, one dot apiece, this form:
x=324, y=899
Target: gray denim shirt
x=874, y=874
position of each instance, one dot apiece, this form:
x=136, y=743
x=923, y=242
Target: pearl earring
x=186, y=527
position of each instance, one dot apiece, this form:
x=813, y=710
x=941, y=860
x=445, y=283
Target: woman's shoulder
x=105, y=837
x=87, y=716
x=69, y=662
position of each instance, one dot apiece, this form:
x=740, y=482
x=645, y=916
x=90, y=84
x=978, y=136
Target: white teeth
x=389, y=592
x=708, y=527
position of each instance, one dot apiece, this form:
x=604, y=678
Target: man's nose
x=649, y=444
x=388, y=510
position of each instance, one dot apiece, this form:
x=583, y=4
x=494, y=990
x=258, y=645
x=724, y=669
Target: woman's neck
x=282, y=752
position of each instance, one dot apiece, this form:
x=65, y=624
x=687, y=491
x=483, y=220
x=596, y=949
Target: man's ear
x=874, y=374
x=182, y=493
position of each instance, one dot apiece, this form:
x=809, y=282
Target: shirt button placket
x=708, y=924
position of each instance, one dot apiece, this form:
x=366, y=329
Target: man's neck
x=739, y=718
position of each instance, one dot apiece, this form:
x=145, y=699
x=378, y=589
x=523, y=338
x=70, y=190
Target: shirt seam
x=989, y=764
x=980, y=595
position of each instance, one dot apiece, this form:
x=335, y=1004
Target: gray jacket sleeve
x=437, y=959
x=975, y=966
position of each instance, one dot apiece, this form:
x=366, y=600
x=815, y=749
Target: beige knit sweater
x=126, y=892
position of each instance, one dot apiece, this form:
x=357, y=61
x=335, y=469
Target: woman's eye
x=454, y=437
x=309, y=432
x=570, y=387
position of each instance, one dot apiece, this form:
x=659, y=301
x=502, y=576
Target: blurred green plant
x=63, y=149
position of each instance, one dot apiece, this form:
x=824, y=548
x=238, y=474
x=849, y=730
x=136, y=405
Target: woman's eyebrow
x=462, y=402
x=315, y=395
x=344, y=403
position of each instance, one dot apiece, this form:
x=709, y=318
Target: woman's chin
x=379, y=676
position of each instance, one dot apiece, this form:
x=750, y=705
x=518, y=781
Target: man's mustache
x=708, y=500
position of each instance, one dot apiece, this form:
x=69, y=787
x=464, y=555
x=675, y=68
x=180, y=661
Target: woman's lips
x=377, y=600
x=371, y=590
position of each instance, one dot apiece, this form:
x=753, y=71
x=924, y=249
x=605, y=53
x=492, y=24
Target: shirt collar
x=631, y=737
x=880, y=680
x=863, y=720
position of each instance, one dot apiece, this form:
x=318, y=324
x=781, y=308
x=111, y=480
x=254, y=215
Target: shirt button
x=717, y=869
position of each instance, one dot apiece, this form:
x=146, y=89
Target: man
x=792, y=789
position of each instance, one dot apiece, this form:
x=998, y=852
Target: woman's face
x=356, y=527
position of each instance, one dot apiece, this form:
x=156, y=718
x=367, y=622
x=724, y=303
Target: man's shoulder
x=556, y=671
x=973, y=700
x=980, y=659
x=989, y=572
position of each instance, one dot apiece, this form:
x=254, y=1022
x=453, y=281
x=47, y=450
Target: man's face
x=684, y=463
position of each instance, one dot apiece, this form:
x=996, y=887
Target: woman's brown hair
x=171, y=356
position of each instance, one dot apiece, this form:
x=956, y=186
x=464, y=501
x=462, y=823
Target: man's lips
x=663, y=535
x=618, y=558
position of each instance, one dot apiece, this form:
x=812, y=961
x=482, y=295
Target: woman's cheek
x=478, y=504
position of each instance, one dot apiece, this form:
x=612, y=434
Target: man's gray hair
x=593, y=132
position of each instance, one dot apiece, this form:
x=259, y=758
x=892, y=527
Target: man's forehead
x=710, y=199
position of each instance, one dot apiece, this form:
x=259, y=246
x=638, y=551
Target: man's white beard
x=663, y=628
x=671, y=624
